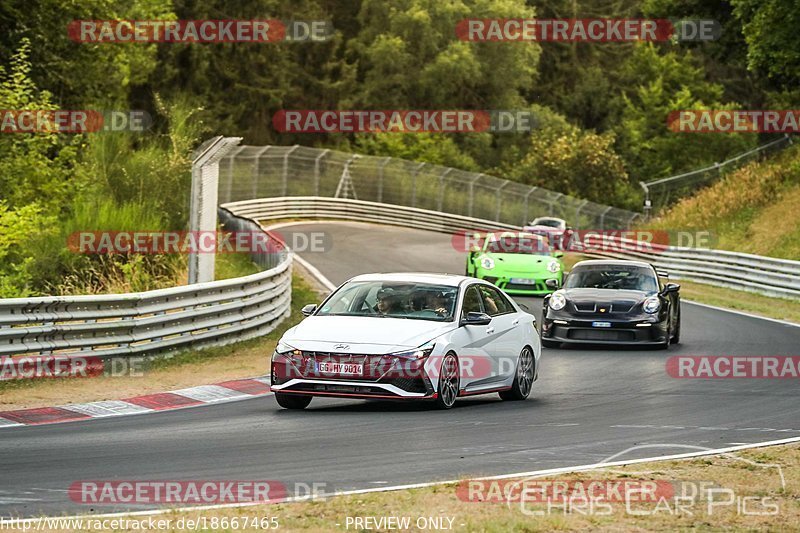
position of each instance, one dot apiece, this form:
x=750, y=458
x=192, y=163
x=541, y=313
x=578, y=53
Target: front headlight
x=557, y=301
x=417, y=353
x=554, y=266
x=651, y=305
x=487, y=262
x=284, y=349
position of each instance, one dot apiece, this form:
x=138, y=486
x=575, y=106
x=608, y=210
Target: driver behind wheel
x=388, y=302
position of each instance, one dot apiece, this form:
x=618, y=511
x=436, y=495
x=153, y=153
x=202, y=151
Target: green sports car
x=517, y=262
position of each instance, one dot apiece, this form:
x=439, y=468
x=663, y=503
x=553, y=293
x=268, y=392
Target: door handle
x=515, y=322
x=490, y=330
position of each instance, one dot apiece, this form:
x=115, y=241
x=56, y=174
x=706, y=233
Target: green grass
x=753, y=209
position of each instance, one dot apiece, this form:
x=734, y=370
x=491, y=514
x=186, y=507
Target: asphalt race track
x=588, y=404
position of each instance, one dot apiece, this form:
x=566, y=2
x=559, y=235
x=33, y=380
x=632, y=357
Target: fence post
x=414, y=184
x=525, y=220
x=578, y=213
x=286, y=169
x=440, y=201
x=257, y=170
x=204, y=195
x=316, y=171
x=499, y=201
x=380, y=178
x=553, y=202
x=603, y=218
x=231, y=160
x=472, y=194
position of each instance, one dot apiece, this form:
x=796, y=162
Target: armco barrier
x=153, y=322
x=763, y=275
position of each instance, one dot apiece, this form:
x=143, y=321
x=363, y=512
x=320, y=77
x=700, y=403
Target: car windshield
x=419, y=301
x=550, y=222
x=635, y=278
x=517, y=244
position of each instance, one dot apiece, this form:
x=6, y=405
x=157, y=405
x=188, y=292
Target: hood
x=586, y=295
x=372, y=335
x=521, y=262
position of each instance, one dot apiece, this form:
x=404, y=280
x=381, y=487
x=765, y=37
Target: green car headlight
x=554, y=266
x=487, y=263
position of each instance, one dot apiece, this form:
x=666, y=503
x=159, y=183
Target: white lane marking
x=6, y=423
x=106, y=408
x=210, y=393
x=702, y=428
x=320, y=277
x=535, y=473
x=743, y=313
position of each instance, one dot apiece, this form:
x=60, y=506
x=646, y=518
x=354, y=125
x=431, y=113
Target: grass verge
x=749, y=494
x=185, y=369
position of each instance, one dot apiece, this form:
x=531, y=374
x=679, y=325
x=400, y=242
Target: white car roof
x=452, y=280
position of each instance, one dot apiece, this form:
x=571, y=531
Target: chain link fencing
x=666, y=191
x=250, y=172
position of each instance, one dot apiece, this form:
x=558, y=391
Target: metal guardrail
x=763, y=275
x=153, y=322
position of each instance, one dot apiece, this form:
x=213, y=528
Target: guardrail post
x=203, y=209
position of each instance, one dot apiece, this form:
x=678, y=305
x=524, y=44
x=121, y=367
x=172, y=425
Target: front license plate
x=601, y=324
x=341, y=368
x=523, y=281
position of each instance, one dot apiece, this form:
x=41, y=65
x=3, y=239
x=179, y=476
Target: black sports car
x=613, y=301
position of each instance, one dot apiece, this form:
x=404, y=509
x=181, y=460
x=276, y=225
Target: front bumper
x=622, y=332
x=384, y=377
x=509, y=284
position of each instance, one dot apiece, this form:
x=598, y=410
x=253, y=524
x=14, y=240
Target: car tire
x=449, y=382
x=550, y=344
x=292, y=401
x=523, y=377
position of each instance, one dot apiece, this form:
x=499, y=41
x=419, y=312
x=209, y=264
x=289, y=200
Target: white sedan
x=408, y=336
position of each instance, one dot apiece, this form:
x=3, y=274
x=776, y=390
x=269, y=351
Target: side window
x=494, y=301
x=472, y=301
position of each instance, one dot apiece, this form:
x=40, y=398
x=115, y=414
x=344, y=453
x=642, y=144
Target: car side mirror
x=474, y=318
x=551, y=284
x=308, y=309
x=671, y=287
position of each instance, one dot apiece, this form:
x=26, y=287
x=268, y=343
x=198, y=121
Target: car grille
x=408, y=384
x=601, y=335
x=538, y=286
x=615, y=307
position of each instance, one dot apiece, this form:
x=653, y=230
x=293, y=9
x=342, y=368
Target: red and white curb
x=227, y=391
